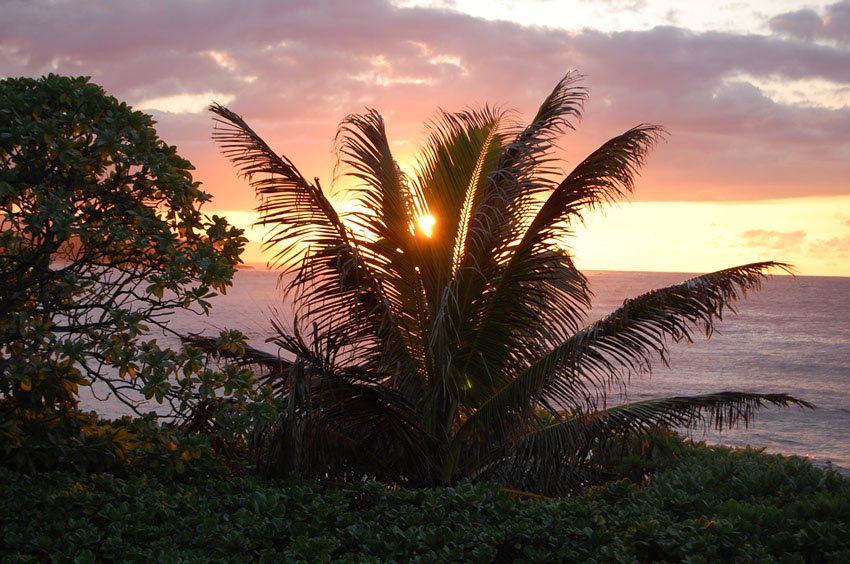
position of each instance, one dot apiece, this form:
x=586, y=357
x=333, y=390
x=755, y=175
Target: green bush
x=39, y=440
x=715, y=504
x=79, y=443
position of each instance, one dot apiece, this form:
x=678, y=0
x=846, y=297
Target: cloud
x=184, y=103
x=797, y=242
x=811, y=92
x=808, y=25
x=773, y=240
x=295, y=69
x=621, y=5
x=832, y=248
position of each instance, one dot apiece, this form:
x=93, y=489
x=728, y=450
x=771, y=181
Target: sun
x=426, y=225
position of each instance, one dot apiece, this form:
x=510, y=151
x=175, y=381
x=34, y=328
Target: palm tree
x=423, y=356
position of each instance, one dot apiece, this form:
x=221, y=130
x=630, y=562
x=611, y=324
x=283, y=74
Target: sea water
x=792, y=336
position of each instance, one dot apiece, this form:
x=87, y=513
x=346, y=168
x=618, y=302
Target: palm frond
x=550, y=455
x=462, y=147
x=525, y=169
x=631, y=336
x=297, y=210
x=342, y=419
x=450, y=179
x=721, y=410
x=528, y=168
x=248, y=356
x=577, y=372
x=536, y=301
x=333, y=285
x=387, y=239
x=606, y=176
x=520, y=173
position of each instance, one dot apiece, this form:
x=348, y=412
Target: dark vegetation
x=430, y=392
x=703, y=505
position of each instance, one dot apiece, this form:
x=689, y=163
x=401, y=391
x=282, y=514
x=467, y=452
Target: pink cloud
x=296, y=69
x=833, y=248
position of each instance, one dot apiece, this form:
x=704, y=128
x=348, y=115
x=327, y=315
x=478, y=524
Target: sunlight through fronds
x=426, y=225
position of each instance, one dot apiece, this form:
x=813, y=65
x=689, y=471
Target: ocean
x=793, y=336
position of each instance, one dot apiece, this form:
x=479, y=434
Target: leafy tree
x=422, y=356
x=101, y=240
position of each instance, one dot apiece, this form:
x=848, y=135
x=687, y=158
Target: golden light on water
x=426, y=225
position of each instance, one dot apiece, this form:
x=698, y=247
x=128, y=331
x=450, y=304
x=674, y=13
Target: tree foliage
x=101, y=240
x=423, y=358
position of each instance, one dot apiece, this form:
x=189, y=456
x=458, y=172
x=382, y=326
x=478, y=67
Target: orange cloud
x=773, y=240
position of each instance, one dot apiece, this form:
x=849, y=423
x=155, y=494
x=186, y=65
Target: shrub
x=714, y=505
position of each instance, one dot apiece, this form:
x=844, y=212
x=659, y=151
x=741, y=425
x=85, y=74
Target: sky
x=755, y=96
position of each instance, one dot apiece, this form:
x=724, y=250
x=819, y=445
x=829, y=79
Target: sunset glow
x=426, y=225
x=754, y=96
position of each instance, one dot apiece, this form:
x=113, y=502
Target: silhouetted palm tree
x=421, y=357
